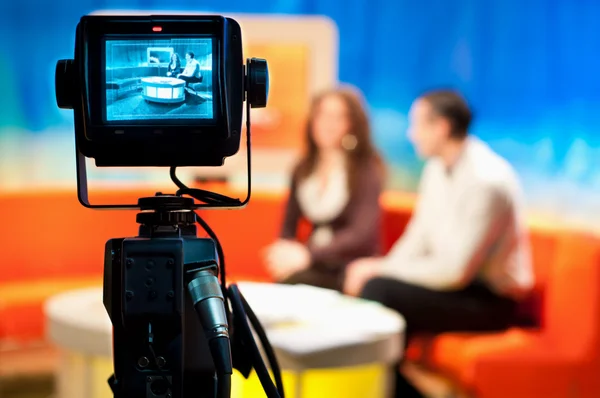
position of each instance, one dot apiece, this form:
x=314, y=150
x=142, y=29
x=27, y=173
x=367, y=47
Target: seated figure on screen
x=154, y=96
x=191, y=73
x=463, y=263
x=174, y=65
x=336, y=188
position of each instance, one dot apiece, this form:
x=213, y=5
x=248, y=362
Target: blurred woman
x=174, y=65
x=335, y=187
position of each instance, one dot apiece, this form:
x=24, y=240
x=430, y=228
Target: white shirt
x=468, y=223
x=192, y=68
x=321, y=204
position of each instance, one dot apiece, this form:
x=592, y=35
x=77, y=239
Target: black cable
x=258, y=363
x=264, y=341
x=213, y=199
x=220, y=349
x=209, y=303
x=203, y=195
x=221, y=255
x=242, y=309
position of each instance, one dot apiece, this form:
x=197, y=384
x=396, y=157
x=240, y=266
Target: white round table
x=168, y=90
x=309, y=328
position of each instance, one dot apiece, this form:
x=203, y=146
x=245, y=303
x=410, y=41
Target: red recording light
x=157, y=28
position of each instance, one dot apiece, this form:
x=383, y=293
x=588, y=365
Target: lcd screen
x=167, y=79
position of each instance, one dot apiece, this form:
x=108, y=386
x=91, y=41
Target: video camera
x=168, y=91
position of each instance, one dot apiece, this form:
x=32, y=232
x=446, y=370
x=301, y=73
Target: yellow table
x=329, y=345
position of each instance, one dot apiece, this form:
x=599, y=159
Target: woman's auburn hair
x=363, y=155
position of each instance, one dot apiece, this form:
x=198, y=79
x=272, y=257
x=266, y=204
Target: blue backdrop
x=530, y=69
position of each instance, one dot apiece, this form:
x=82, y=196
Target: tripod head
x=166, y=215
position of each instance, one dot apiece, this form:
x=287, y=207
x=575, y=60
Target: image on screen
x=159, y=80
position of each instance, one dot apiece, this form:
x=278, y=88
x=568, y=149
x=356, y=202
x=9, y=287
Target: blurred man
x=463, y=262
x=191, y=73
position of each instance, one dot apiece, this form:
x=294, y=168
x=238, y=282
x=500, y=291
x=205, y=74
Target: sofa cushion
x=457, y=354
x=572, y=319
x=543, y=245
x=22, y=304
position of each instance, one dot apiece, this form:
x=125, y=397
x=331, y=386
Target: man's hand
x=359, y=272
x=285, y=257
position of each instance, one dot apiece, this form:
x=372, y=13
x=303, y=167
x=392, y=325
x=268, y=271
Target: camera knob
x=65, y=83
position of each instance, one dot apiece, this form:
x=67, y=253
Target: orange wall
x=289, y=96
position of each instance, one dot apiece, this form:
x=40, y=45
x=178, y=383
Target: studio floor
x=27, y=387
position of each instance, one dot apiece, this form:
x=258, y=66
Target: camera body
x=190, y=73
x=159, y=349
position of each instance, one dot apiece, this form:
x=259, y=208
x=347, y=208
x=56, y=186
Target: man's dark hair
x=191, y=54
x=451, y=106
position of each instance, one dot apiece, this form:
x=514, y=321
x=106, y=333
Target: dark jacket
x=356, y=230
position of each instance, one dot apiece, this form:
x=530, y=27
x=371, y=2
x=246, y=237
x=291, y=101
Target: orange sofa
x=59, y=246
